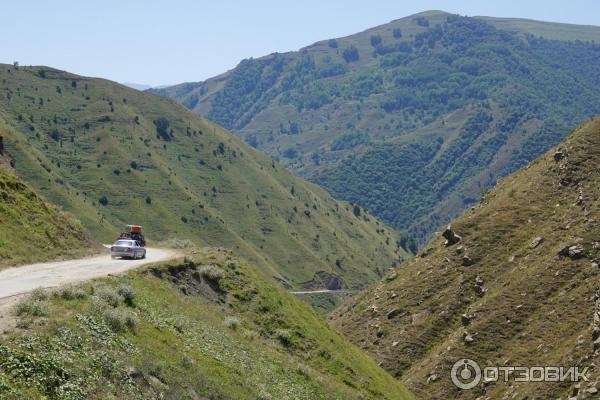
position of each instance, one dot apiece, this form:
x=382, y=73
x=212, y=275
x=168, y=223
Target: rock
x=478, y=280
x=592, y=390
x=379, y=332
x=396, y=312
x=134, y=373
x=468, y=338
x=558, y=155
x=467, y=261
x=480, y=290
x=536, y=242
x=574, y=251
x=392, y=276
x=594, y=265
x=393, y=295
x=394, y=344
x=432, y=378
x=466, y=319
x=450, y=236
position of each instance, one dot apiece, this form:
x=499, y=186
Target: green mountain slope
x=548, y=30
x=519, y=289
x=33, y=230
x=111, y=155
x=411, y=119
x=206, y=328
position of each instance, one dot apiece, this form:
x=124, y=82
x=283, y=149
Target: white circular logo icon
x=465, y=374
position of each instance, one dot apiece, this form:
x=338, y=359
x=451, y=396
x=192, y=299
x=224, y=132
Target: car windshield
x=124, y=243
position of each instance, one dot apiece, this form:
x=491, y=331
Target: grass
x=537, y=307
x=183, y=339
x=113, y=156
x=367, y=132
x=32, y=230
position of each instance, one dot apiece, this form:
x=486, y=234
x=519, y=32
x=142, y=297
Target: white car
x=127, y=249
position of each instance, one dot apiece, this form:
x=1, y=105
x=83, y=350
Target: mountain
x=112, y=156
x=31, y=229
x=137, y=86
x=411, y=119
x=520, y=287
x=209, y=327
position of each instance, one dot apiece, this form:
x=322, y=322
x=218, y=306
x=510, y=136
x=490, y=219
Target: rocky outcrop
x=450, y=236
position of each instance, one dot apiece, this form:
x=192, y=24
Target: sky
x=167, y=42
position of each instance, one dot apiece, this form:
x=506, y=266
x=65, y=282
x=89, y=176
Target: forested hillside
x=113, y=156
x=413, y=119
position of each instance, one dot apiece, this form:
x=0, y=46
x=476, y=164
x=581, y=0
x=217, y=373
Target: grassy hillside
x=548, y=30
x=113, y=156
x=33, y=230
x=412, y=119
x=205, y=328
x=520, y=288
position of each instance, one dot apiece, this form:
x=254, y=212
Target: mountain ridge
x=112, y=156
x=334, y=104
x=517, y=285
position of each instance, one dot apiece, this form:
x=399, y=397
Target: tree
x=162, y=128
x=397, y=32
x=375, y=40
x=103, y=200
x=332, y=43
x=350, y=54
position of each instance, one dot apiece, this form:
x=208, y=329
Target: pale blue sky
x=166, y=42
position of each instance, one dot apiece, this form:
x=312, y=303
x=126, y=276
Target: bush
x=119, y=320
x=284, y=336
x=108, y=295
x=232, y=323
x=66, y=292
x=103, y=200
x=31, y=307
x=39, y=294
x=211, y=272
x=350, y=54
x=375, y=40
x=128, y=294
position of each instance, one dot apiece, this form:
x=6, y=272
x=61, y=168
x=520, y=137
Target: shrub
x=39, y=294
x=375, y=40
x=128, y=294
x=284, y=336
x=119, y=320
x=232, y=323
x=66, y=292
x=31, y=307
x=211, y=272
x=103, y=200
x=350, y=54
x=332, y=43
x=397, y=33
x=108, y=295
x=250, y=334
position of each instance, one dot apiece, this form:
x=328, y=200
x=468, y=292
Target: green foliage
x=351, y=54
x=248, y=342
x=349, y=141
x=514, y=277
x=33, y=230
x=432, y=74
x=202, y=186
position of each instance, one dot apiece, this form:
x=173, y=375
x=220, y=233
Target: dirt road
x=19, y=280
